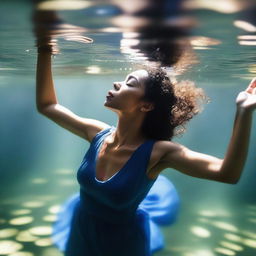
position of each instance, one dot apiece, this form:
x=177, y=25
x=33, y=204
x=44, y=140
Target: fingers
x=252, y=86
x=242, y=96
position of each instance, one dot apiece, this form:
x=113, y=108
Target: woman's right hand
x=48, y=28
x=246, y=100
x=44, y=24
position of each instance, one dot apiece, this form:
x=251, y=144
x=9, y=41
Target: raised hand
x=247, y=99
x=48, y=27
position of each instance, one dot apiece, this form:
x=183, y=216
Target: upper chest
x=109, y=161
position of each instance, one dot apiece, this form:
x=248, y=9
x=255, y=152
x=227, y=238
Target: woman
x=123, y=162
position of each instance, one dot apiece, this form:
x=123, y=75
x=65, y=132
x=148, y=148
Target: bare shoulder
x=162, y=148
x=160, y=151
x=93, y=127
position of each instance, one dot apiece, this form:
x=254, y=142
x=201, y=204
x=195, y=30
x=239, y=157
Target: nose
x=116, y=85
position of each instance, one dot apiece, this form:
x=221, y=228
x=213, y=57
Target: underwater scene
x=210, y=43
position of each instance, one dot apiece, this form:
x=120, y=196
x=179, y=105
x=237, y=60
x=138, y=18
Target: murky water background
x=39, y=160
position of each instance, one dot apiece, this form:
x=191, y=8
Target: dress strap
x=101, y=134
x=147, y=153
x=149, y=148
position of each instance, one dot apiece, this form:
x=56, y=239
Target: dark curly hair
x=174, y=105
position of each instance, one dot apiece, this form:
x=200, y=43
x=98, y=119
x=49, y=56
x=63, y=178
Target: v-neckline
x=124, y=165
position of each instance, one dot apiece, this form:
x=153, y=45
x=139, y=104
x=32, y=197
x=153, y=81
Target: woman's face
x=127, y=96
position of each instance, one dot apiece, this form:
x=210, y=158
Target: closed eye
x=130, y=82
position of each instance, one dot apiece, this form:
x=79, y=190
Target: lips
x=110, y=94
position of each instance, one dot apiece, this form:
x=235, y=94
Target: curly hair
x=174, y=105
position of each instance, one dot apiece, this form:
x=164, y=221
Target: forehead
x=141, y=75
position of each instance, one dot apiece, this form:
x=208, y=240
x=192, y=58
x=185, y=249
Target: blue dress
x=119, y=216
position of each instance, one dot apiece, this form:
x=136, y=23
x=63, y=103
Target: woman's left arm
x=230, y=168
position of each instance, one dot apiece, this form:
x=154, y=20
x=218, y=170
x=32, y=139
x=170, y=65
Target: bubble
x=64, y=171
x=250, y=243
x=33, y=204
x=21, y=220
x=249, y=234
x=67, y=182
x=207, y=213
x=41, y=230
x=225, y=226
x=199, y=253
x=247, y=26
x=21, y=211
x=50, y=251
x=225, y=251
x=50, y=218
x=252, y=68
x=201, y=232
x=44, y=242
x=93, y=70
x=54, y=209
x=249, y=43
x=231, y=246
x=252, y=220
x=39, y=181
x=8, y=232
x=8, y=247
x=25, y=236
x=22, y=254
x=63, y=5
x=201, y=41
x=2, y=221
x=233, y=237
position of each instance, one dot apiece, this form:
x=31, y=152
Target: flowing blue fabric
x=119, y=216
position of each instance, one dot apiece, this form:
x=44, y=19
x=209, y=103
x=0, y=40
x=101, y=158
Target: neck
x=128, y=130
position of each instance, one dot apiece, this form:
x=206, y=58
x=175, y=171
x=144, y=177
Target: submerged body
x=118, y=216
x=149, y=108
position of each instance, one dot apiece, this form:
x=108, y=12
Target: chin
x=110, y=107
x=106, y=104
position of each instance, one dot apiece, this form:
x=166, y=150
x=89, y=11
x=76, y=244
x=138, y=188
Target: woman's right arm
x=47, y=104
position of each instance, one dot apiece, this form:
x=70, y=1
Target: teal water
x=39, y=159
